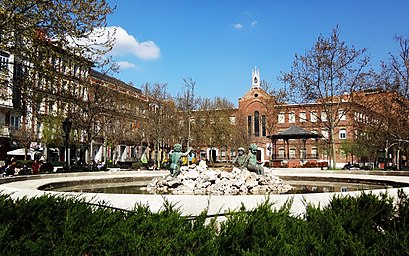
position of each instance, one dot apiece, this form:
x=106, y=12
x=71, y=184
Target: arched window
x=263, y=126
x=249, y=125
x=256, y=124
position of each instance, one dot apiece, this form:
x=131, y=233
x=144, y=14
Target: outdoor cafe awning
x=20, y=152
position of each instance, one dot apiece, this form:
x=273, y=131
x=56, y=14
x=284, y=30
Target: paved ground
x=195, y=204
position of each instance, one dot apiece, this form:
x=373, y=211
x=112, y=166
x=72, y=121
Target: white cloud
x=238, y=26
x=254, y=22
x=127, y=44
x=125, y=65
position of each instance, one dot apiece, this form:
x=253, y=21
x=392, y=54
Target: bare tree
x=388, y=129
x=29, y=29
x=51, y=46
x=91, y=112
x=398, y=67
x=329, y=73
x=213, y=125
x=160, y=118
x=186, y=103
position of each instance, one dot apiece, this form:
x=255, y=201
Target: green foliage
x=137, y=165
x=364, y=225
x=21, y=163
x=52, y=133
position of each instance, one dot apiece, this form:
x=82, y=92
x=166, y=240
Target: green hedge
x=47, y=225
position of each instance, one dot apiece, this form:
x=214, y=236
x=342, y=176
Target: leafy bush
x=58, y=163
x=137, y=165
x=21, y=163
x=47, y=225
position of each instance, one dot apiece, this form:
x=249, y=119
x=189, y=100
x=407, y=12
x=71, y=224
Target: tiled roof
x=294, y=132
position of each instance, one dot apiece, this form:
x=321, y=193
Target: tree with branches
x=51, y=46
x=160, y=116
x=329, y=74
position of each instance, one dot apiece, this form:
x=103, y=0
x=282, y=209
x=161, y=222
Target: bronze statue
x=175, y=158
x=241, y=158
x=251, y=161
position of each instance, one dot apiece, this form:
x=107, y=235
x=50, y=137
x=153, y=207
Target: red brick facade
x=264, y=117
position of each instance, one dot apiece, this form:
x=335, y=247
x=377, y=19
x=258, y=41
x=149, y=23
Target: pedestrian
x=24, y=171
x=35, y=167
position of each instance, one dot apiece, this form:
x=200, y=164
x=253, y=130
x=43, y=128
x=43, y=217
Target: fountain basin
x=195, y=204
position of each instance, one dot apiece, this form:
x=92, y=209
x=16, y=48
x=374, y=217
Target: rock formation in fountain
x=198, y=180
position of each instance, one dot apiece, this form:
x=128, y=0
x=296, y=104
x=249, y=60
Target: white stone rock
x=192, y=174
x=196, y=179
x=190, y=184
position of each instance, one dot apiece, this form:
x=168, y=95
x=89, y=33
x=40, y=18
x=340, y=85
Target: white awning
x=20, y=152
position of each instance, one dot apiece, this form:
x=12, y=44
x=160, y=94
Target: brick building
x=297, y=134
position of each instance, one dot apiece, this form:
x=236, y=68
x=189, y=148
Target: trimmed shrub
x=364, y=225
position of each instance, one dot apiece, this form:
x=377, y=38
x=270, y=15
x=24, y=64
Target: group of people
x=248, y=161
x=11, y=168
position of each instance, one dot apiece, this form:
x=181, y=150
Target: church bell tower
x=255, y=78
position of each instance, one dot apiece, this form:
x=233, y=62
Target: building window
x=303, y=153
x=232, y=120
x=249, y=125
x=263, y=126
x=2, y=119
x=64, y=67
x=314, y=116
x=292, y=153
x=342, y=116
x=256, y=124
x=76, y=69
x=54, y=63
x=281, y=118
x=324, y=133
x=4, y=61
x=38, y=130
x=15, y=122
x=291, y=117
x=314, y=152
x=281, y=153
x=342, y=134
x=303, y=117
x=323, y=116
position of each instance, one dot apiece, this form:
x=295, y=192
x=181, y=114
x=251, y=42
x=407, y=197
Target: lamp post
x=66, y=126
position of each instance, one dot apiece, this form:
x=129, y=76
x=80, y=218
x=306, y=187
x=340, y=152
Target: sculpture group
x=246, y=177
x=248, y=161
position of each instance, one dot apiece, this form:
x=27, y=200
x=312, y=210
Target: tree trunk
x=332, y=150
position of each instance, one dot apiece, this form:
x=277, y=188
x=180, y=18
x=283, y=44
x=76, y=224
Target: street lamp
x=66, y=126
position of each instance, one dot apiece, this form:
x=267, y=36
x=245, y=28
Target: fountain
x=193, y=204
x=198, y=180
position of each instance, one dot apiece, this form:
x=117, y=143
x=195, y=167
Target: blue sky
x=218, y=42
